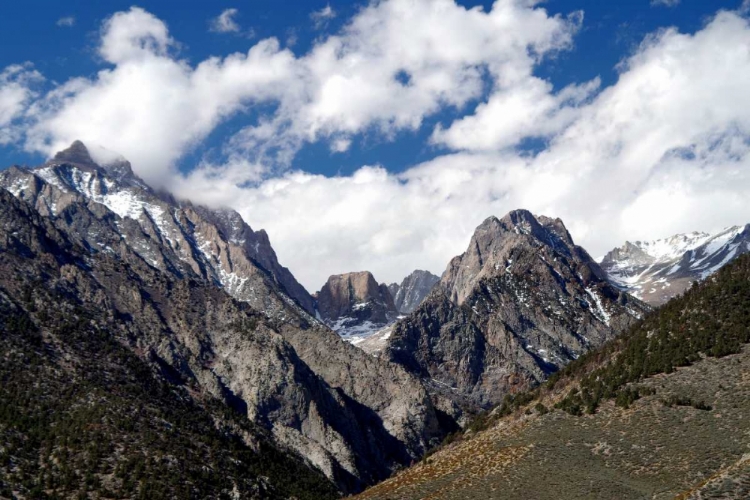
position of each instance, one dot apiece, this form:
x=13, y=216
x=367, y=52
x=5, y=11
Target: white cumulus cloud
x=665, y=149
x=17, y=84
x=400, y=61
x=154, y=107
x=150, y=106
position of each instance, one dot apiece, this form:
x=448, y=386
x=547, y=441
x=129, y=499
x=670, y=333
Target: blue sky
x=377, y=135
x=29, y=32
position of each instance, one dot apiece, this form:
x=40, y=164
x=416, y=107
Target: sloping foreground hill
x=661, y=412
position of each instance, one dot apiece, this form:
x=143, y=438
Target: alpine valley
x=202, y=310
x=154, y=348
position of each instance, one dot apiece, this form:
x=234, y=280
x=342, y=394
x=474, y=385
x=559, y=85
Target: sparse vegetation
x=712, y=319
x=685, y=401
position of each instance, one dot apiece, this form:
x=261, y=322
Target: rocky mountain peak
x=256, y=246
x=556, y=227
x=629, y=251
x=522, y=301
x=354, y=304
x=524, y=222
x=518, y=217
x=172, y=235
x=343, y=290
x=76, y=154
x=495, y=244
x=97, y=161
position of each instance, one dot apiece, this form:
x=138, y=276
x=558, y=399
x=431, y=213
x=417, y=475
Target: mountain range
x=109, y=283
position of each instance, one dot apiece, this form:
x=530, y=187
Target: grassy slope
x=656, y=442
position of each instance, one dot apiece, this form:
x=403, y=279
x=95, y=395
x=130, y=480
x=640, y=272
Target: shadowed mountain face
x=200, y=298
x=519, y=304
x=102, y=391
x=656, y=271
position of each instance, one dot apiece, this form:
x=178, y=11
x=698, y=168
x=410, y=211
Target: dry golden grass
x=648, y=451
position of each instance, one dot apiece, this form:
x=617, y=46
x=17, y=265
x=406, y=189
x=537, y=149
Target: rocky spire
x=354, y=303
x=102, y=161
x=76, y=154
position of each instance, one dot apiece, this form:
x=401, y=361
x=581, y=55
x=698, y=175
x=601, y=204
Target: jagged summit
x=522, y=220
x=521, y=302
x=77, y=154
x=515, y=221
x=412, y=290
x=215, y=244
x=495, y=242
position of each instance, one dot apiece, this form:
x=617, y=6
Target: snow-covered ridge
x=670, y=248
x=124, y=201
x=658, y=270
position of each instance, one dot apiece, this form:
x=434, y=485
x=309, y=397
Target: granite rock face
x=355, y=305
x=201, y=297
x=656, y=271
x=412, y=290
x=519, y=304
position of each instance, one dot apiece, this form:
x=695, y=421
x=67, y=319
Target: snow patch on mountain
x=601, y=312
